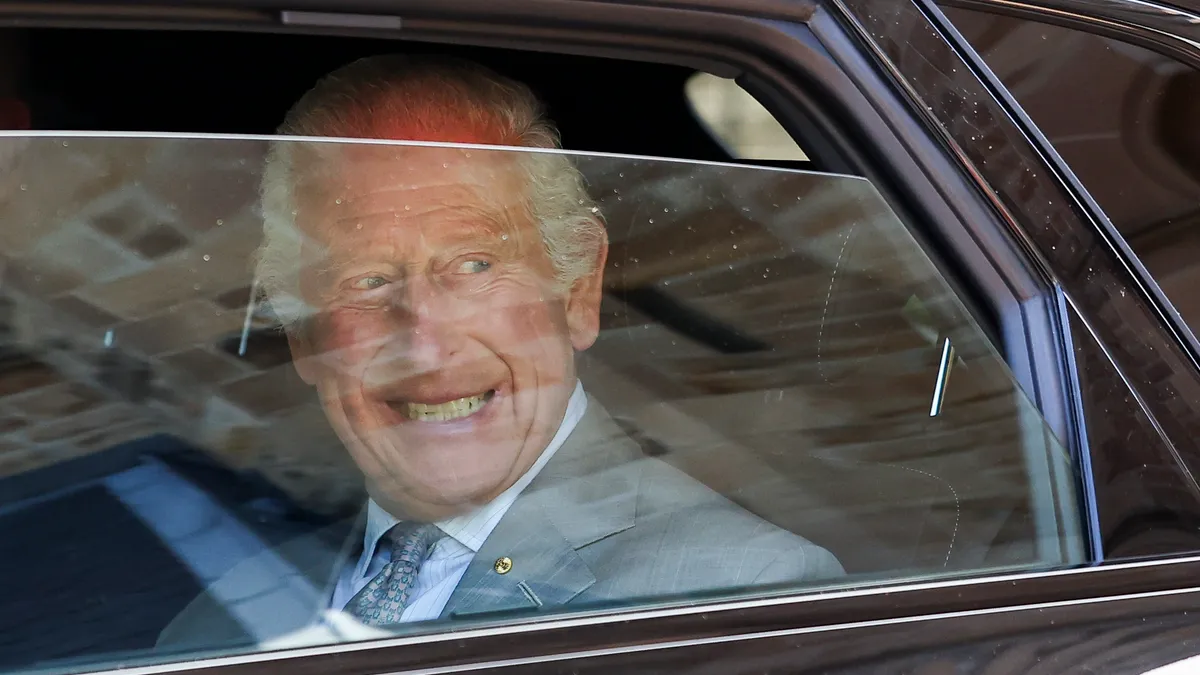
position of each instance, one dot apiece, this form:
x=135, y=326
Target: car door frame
x=1119, y=313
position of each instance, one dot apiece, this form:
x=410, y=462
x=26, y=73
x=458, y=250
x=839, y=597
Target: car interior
x=785, y=357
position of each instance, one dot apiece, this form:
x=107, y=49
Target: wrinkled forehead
x=349, y=172
x=348, y=189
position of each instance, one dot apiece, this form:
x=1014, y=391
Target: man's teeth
x=450, y=410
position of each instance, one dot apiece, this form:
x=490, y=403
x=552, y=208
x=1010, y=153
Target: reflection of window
x=739, y=121
x=772, y=339
x=1124, y=119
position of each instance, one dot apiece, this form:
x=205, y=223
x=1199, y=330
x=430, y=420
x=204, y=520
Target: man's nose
x=428, y=324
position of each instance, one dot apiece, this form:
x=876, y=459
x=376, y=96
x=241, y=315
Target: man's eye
x=474, y=267
x=369, y=283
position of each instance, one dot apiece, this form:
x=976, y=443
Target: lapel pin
x=502, y=565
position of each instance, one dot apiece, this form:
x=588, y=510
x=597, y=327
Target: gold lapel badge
x=502, y=565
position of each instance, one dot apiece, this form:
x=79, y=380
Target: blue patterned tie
x=383, y=599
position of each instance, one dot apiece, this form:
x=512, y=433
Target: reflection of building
x=142, y=451
x=127, y=285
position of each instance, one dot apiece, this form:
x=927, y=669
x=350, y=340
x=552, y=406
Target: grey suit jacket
x=601, y=523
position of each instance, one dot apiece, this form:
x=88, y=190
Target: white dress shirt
x=450, y=556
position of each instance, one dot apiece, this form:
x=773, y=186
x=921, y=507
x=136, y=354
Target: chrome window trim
x=608, y=617
x=741, y=637
x=1088, y=499
x=174, y=135
x=794, y=631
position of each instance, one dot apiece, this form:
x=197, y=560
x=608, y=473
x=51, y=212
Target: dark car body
x=902, y=98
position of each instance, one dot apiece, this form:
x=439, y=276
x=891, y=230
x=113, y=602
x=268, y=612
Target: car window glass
x=767, y=388
x=739, y=121
x=1123, y=118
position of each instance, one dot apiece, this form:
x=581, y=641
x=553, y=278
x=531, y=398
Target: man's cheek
x=349, y=342
x=522, y=332
x=538, y=359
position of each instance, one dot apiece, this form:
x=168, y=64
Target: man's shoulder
x=674, y=515
x=271, y=593
x=683, y=523
x=665, y=492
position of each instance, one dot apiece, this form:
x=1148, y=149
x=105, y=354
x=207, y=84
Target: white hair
x=427, y=98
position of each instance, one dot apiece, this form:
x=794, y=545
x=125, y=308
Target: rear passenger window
x=1124, y=119
x=260, y=392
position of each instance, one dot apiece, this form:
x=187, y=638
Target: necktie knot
x=412, y=544
x=383, y=599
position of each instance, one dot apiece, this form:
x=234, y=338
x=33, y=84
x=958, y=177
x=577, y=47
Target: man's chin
x=438, y=502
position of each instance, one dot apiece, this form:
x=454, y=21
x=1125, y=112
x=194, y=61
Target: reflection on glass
x=739, y=121
x=684, y=381
x=1124, y=119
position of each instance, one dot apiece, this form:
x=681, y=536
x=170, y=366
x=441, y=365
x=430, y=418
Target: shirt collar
x=472, y=529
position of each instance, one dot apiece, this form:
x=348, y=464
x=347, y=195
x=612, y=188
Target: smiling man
x=436, y=296
x=442, y=337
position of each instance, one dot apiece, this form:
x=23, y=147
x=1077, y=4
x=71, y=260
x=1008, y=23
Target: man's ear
x=583, y=302
x=302, y=354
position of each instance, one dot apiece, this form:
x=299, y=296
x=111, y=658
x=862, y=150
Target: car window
x=1123, y=119
x=643, y=107
x=228, y=421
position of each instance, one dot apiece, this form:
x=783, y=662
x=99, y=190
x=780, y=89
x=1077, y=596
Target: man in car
x=436, y=296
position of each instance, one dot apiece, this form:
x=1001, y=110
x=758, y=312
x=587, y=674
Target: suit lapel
x=545, y=569
x=586, y=492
